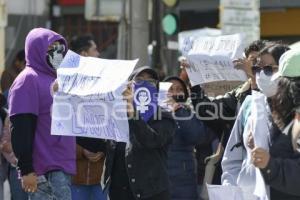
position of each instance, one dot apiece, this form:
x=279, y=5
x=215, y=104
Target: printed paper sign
x=210, y=59
x=262, y=138
x=163, y=95
x=89, y=101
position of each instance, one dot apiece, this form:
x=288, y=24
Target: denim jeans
x=1, y=190
x=17, y=193
x=88, y=192
x=54, y=185
x=3, y=175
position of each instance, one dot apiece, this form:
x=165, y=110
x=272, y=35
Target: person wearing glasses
x=280, y=164
x=236, y=165
x=138, y=169
x=226, y=105
x=46, y=162
x=230, y=102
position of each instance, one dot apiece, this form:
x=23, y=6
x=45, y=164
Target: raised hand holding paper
x=210, y=59
x=89, y=101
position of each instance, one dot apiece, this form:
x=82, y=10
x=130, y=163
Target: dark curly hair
x=81, y=43
x=286, y=100
x=256, y=45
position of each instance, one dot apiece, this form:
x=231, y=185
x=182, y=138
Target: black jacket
x=219, y=113
x=145, y=155
x=283, y=171
x=181, y=158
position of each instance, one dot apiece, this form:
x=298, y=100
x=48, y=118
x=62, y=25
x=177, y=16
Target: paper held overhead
x=210, y=58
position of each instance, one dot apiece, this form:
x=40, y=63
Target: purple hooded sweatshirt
x=30, y=93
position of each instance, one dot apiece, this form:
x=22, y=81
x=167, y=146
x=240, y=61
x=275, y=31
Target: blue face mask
x=145, y=99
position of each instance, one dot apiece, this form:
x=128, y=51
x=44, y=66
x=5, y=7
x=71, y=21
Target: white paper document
x=89, y=101
x=261, y=136
x=210, y=59
x=224, y=192
x=163, y=95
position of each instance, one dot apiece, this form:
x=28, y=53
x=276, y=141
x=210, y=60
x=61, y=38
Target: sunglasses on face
x=60, y=48
x=268, y=70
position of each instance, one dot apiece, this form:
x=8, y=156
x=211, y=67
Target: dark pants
x=126, y=194
x=17, y=193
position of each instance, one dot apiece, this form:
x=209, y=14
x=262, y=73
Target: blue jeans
x=1, y=190
x=88, y=192
x=54, y=185
x=3, y=176
x=17, y=193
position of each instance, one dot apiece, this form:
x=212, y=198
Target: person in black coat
x=138, y=169
x=189, y=132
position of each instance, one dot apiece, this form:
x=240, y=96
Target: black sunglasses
x=60, y=48
x=268, y=70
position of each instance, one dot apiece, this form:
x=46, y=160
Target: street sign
x=103, y=10
x=246, y=4
x=240, y=16
x=172, y=45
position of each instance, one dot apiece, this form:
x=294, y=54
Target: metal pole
x=3, y=22
x=139, y=31
x=156, y=63
x=123, y=34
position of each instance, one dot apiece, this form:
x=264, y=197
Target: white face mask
x=266, y=85
x=55, y=57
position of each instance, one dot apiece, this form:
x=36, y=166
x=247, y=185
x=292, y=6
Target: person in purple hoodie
x=45, y=161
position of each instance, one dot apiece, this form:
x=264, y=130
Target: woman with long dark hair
x=280, y=166
x=236, y=163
